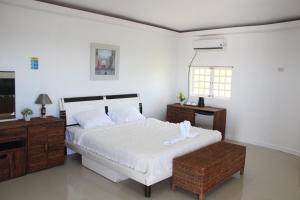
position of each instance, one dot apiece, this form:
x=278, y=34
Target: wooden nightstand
x=178, y=113
x=30, y=146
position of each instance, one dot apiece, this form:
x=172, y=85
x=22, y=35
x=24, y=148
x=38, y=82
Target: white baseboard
x=266, y=145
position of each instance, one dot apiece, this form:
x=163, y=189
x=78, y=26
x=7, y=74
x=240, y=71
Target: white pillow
x=124, y=115
x=92, y=119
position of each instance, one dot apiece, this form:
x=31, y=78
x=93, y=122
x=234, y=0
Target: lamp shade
x=43, y=99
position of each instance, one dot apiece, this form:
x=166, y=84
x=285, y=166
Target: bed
x=134, y=150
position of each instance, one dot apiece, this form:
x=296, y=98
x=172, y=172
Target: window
x=210, y=81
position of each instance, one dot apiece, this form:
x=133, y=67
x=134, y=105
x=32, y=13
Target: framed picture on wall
x=104, y=62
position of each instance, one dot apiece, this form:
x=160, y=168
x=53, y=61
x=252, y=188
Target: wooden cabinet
x=45, y=146
x=30, y=146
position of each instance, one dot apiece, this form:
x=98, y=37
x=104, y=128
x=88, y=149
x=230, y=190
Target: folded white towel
x=184, y=133
x=185, y=128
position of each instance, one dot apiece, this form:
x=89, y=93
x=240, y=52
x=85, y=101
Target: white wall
x=153, y=62
x=264, y=107
x=62, y=43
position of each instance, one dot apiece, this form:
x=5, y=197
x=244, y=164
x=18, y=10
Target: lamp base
x=43, y=111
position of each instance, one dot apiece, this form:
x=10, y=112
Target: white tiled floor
x=269, y=175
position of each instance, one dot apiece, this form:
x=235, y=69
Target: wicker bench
x=201, y=170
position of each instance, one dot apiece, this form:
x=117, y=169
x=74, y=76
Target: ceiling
x=188, y=15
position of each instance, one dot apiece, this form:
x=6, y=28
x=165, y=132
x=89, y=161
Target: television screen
x=7, y=95
x=7, y=86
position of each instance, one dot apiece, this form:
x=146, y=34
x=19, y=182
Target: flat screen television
x=7, y=86
x=7, y=95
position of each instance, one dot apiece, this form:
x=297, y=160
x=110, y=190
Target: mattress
x=140, y=145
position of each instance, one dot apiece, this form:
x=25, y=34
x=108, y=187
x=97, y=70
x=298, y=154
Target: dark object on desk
x=203, y=169
x=201, y=102
x=177, y=113
x=30, y=146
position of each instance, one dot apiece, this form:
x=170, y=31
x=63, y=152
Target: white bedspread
x=140, y=145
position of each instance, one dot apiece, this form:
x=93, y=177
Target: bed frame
x=107, y=168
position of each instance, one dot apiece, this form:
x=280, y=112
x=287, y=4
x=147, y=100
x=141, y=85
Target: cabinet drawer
x=175, y=109
x=176, y=115
x=12, y=134
x=179, y=110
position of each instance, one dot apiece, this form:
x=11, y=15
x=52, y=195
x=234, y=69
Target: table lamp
x=43, y=99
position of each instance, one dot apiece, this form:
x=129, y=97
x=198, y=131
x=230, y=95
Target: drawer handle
x=2, y=157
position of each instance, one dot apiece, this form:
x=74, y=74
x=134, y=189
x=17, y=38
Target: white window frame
x=211, y=82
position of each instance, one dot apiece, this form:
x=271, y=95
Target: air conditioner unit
x=209, y=44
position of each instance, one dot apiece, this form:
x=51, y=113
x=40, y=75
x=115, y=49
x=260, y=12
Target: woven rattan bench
x=201, y=170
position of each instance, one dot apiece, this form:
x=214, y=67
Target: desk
x=177, y=113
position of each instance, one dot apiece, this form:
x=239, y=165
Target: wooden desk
x=177, y=113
